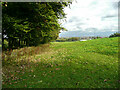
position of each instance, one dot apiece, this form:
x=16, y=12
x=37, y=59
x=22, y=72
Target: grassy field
x=87, y=64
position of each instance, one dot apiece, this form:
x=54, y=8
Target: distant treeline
x=74, y=39
x=115, y=35
x=86, y=38
x=67, y=39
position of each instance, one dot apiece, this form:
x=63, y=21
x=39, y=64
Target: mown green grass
x=87, y=64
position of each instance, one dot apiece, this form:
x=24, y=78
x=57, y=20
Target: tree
x=115, y=35
x=32, y=23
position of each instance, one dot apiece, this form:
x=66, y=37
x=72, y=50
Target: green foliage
x=68, y=39
x=115, y=35
x=31, y=23
x=74, y=39
x=5, y=46
x=61, y=40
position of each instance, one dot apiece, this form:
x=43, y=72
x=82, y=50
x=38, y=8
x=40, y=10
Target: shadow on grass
x=16, y=63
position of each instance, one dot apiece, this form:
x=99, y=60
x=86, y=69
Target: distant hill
x=82, y=34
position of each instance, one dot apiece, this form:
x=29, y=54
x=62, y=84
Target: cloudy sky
x=92, y=15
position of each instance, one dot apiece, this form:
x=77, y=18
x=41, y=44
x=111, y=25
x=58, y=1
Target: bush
x=73, y=39
x=61, y=40
x=115, y=35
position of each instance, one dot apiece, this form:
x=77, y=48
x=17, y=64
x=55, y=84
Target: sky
x=91, y=16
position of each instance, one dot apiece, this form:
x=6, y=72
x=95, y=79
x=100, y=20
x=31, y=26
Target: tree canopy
x=31, y=23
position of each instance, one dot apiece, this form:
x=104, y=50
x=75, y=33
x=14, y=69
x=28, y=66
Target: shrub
x=73, y=39
x=115, y=35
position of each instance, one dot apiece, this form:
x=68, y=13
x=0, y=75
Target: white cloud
x=99, y=14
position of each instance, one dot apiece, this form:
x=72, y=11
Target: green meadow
x=80, y=64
